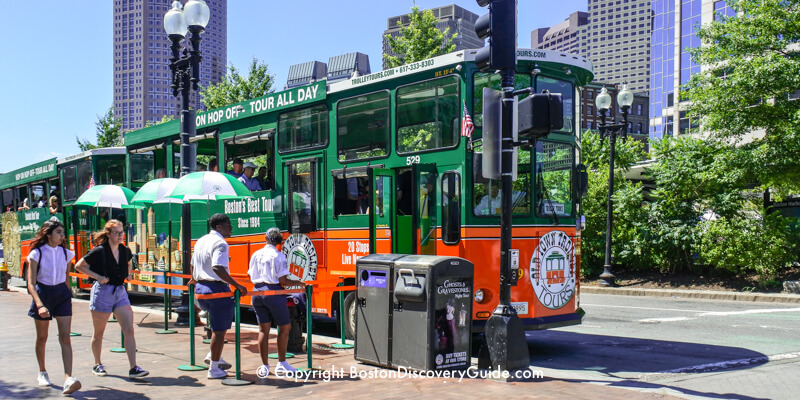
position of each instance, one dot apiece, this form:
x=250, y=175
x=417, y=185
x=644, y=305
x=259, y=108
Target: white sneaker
x=71, y=386
x=216, y=373
x=263, y=371
x=284, y=366
x=222, y=363
x=43, y=379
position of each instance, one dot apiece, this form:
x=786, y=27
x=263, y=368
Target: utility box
x=429, y=321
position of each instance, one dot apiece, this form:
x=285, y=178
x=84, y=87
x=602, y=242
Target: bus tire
x=350, y=315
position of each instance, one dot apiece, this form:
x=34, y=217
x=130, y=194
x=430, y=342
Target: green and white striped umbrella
x=208, y=185
x=155, y=191
x=106, y=196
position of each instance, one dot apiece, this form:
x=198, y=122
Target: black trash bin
x=428, y=322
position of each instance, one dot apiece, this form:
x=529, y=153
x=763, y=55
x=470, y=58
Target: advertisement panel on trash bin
x=452, y=336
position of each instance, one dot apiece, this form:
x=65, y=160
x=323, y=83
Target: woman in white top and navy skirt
x=48, y=270
x=109, y=264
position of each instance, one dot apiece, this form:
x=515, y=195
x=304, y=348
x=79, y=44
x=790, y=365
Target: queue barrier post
x=342, y=345
x=167, y=304
x=120, y=349
x=309, y=344
x=238, y=381
x=192, y=366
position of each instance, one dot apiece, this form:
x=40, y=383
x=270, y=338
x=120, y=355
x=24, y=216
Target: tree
x=164, y=118
x=753, y=71
x=235, y=88
x=707, y=207
x=419, y=40
x=109, y=132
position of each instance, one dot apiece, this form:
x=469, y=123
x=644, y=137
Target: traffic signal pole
x=505, y=334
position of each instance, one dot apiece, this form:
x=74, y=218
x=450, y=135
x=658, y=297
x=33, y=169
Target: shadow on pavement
x=628, y=361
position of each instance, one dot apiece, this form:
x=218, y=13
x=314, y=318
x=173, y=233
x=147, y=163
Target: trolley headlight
x=478, y=296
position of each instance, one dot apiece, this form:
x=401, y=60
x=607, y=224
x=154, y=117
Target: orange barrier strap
x=158, y=285
x=77, y=275
x=184, y=276
x=275, y=292
x=213, y=296
x=160, y=273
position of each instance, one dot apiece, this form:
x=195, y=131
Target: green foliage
x=164, y=118
x=629, y=233
x=109, y=132
x=419, y=40
x=750, y=244
x=753, y=66
x=235, y=88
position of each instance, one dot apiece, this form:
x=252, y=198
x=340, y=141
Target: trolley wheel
x=350, y=315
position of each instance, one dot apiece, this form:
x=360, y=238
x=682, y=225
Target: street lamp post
x=178, y=22
x=603, y=102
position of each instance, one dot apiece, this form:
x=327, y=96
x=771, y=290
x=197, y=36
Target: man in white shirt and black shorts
x=269, y=271
x=210, y=274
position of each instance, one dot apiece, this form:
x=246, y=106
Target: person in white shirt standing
x=269, y=271
x=210, y=274
x=48, y=269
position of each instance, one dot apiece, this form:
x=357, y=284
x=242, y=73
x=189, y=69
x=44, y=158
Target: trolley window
x=142, y=167
x=567, y=94
x=110, y=171
x=38, y=192
x=554, y=165
x=8, y=200
x=451, y=207
x=257, y=148
x=70, y=183
x=428, y=115
x=302, y=196
x=84, y=176
x=303, y=129
x=483, y=80
x=487, y=193
x=362, y=127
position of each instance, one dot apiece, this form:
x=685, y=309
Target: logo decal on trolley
x=552, y=270
x=301, y=257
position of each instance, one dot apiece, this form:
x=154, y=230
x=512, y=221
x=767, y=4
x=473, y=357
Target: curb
x=695, y=294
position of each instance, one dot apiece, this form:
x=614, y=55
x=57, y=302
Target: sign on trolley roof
x=34, y=172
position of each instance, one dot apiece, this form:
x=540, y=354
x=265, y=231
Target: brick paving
x=161, y=354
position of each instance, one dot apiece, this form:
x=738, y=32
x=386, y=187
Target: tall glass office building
x=673, y=34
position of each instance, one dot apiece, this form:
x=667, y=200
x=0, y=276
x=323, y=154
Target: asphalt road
x=687, y=348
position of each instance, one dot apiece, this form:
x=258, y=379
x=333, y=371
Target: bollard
x=342, y=345
x=192, y=366
x=122, y=340
x=238, y=381
x=167, y=307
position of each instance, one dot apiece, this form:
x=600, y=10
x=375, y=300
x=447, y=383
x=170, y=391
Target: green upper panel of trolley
x=547, y=62
x=34, y=172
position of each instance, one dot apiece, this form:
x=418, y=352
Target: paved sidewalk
x=695, y=294
x=161, y=354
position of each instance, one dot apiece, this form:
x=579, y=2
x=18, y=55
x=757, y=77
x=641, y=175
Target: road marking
x=757, y=311
x=638, y=308
x=673, y=319
x=711, y=367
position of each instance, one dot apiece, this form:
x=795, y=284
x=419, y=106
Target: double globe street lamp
x=603, y=102
x=179, y=22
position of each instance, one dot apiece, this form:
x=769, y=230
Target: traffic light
x=539, y=114
x=500, y=27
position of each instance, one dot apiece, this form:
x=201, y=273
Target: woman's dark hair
x=46, y=230
x=102, y=236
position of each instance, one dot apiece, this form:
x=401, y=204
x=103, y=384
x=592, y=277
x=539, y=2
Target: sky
x=56, y=60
